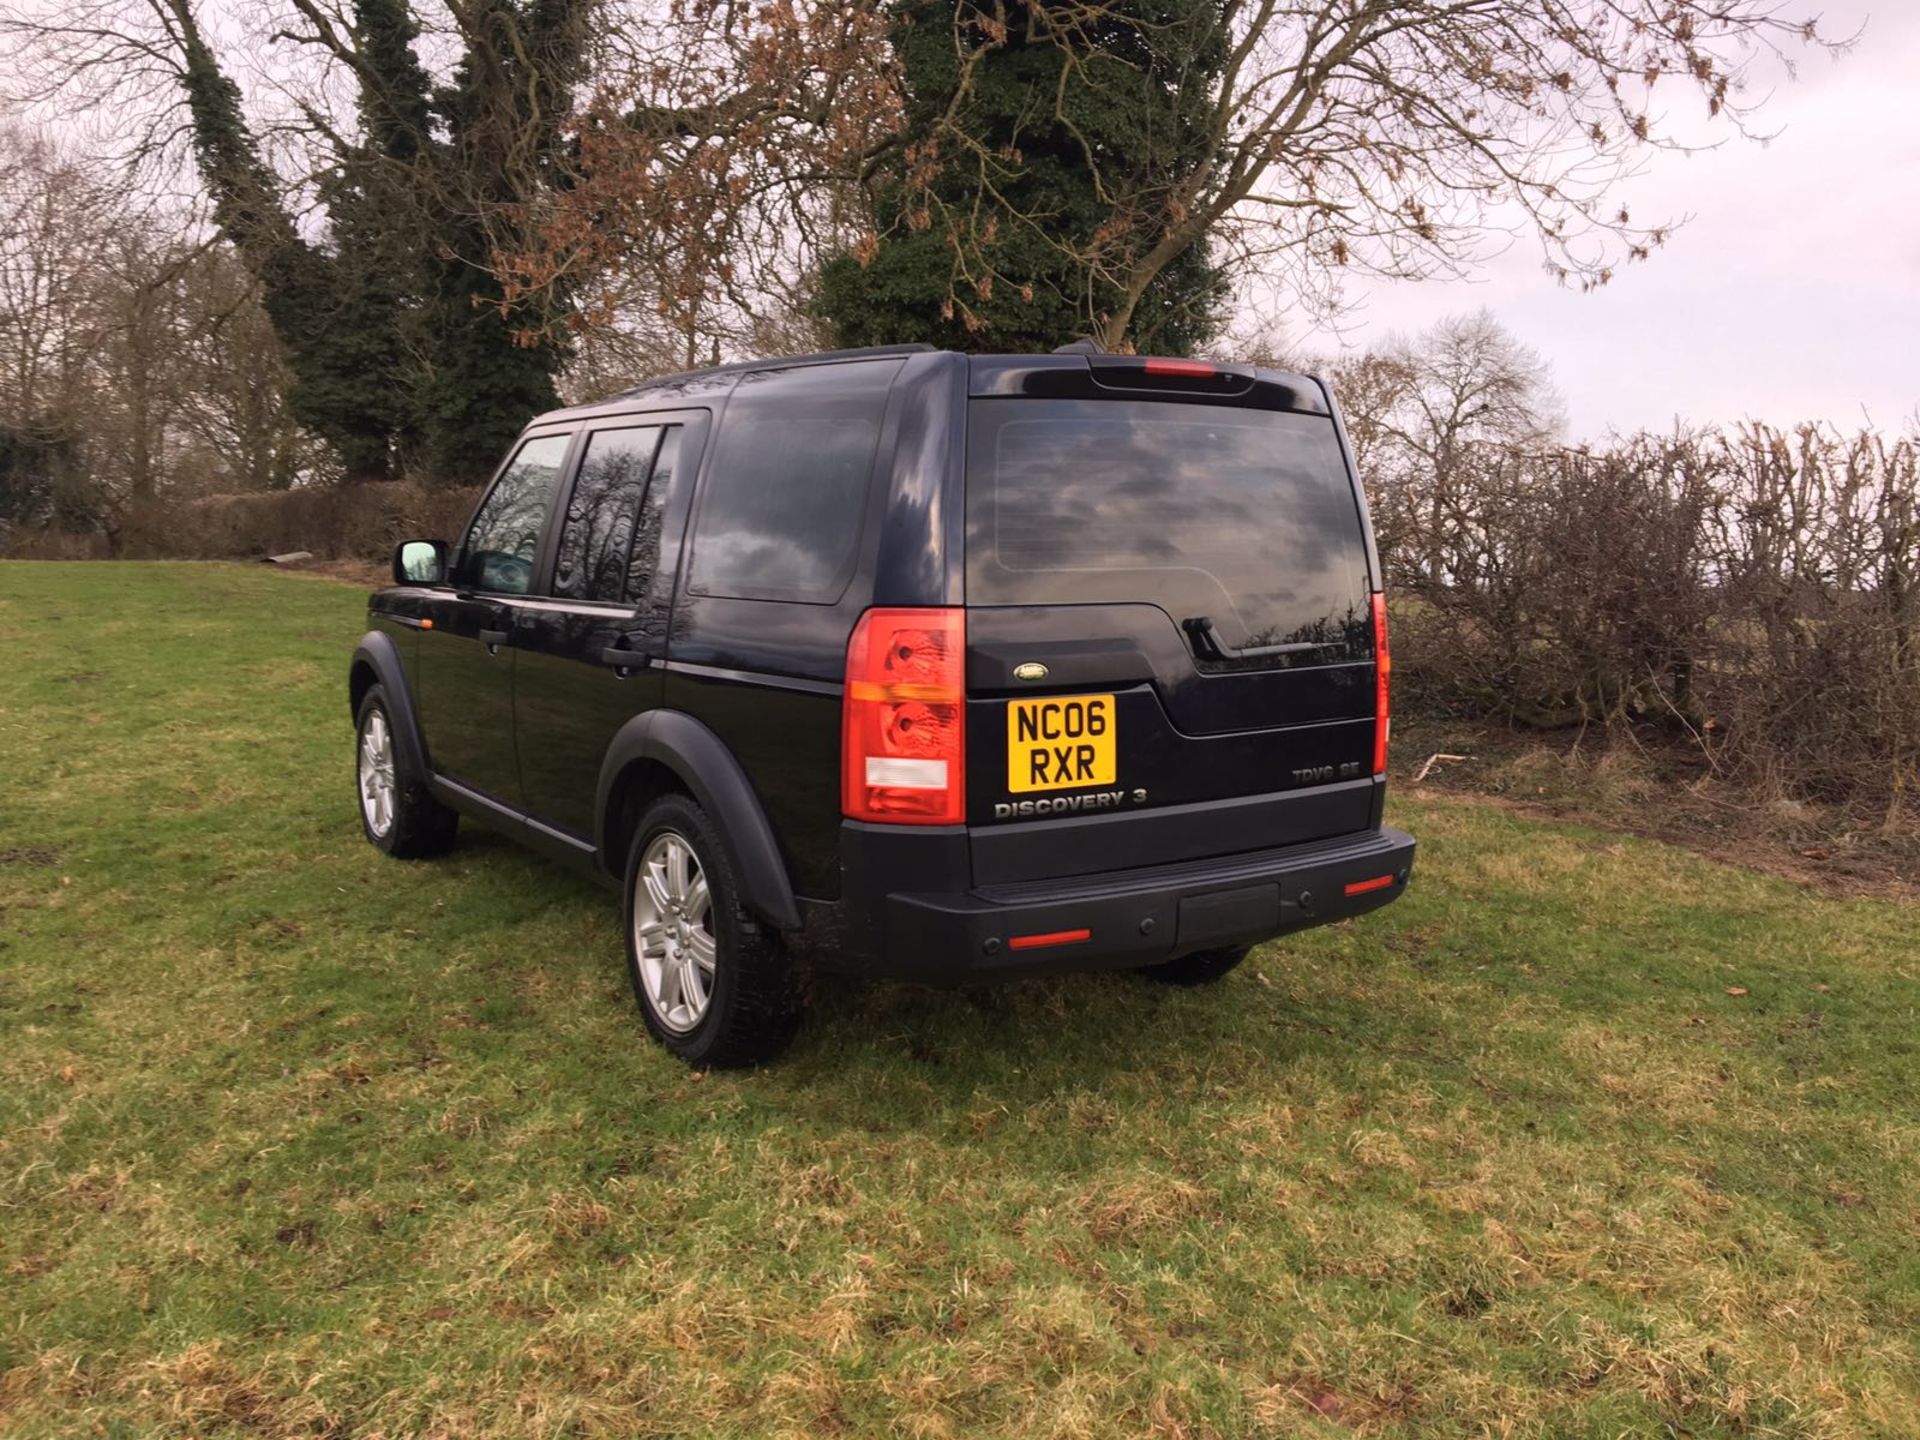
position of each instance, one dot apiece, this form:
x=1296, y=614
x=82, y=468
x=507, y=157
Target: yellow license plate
x=1060, y=743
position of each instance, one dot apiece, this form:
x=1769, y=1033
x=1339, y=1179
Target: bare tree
x=1470, y=388
x=717, y=155
x=1391, y=136
x=137, y=367
x=725, y=149
x=366, y=159
x=1428, y=414
x=54, y=269
x=239, y=433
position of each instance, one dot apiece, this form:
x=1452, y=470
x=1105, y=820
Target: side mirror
x=420, y=562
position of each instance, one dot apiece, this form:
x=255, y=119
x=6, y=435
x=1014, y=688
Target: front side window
x=498, y=554
x=597, y=531
x=780, y=519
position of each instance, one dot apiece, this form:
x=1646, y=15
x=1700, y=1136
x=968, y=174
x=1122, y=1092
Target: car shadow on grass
x=873, y=1054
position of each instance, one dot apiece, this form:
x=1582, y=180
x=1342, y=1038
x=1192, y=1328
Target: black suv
x=918, y=664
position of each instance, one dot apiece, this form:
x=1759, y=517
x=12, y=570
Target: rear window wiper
x=1208, y=645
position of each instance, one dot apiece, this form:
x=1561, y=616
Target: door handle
x=494, y=639
x=624, y=660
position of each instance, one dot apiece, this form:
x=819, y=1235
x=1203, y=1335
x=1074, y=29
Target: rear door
x=772, y=590
x=1170, y=648
x=591, y=645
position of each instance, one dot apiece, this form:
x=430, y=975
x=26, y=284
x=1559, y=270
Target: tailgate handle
x=1208, y=645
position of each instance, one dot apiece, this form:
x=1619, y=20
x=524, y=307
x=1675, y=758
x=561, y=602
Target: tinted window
x=1246, y=517
x=596, y=533
x=505, y=535
x=643, y=559
x=780, y=516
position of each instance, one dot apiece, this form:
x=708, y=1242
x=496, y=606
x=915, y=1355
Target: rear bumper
x=902, y=928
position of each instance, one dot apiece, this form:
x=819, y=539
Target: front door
x=467, y=656
x=590, y=646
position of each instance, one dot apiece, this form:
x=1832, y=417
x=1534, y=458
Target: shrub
x=335, y=522
x=1754, y=591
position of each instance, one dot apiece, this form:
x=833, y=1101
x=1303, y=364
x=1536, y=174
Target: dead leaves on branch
x=711, y=150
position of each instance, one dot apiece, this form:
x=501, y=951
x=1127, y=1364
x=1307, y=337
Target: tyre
x=397, y=812
x=715, y=986
x=1202, y=967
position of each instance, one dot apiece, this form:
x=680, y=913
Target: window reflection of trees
x=1247, y=518
x=643, y=557
x=1342, y=637
x=505, y=534
x=598, y=532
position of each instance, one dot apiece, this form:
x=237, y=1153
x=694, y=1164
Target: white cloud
x=1794, y=291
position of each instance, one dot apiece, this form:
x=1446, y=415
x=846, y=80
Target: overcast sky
x=1794, y=291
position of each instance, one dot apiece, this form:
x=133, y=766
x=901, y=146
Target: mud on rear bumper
x=1131, y=917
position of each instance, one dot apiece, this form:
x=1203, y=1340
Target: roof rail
x=783, y=362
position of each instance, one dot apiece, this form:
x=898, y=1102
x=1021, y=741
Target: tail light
x=903, y=725
x=1382, y=697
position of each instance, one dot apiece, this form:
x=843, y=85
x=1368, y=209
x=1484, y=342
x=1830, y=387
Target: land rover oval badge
x=1030, y=670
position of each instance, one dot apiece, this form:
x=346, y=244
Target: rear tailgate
x=1124, y=548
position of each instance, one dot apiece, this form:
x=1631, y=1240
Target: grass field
x=1585, y=1137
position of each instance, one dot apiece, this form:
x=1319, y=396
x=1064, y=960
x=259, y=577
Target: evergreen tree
x=394, y=329
x=503, y=116
x=333, y=391
x=1041, y=147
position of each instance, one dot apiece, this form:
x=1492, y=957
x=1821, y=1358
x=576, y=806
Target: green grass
x=296, y=1140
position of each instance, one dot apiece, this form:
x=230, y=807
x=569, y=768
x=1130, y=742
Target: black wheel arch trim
x=715, y=779
x=378, y=653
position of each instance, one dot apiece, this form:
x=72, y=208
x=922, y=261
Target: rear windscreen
x=1244, y=517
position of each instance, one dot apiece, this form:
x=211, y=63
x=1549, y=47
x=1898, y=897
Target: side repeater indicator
x=1030, y=670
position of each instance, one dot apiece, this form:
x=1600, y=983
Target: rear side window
x=781, y=507
x=1245, y=517
x=497, y=555
x=597, y=532
x=643, y=557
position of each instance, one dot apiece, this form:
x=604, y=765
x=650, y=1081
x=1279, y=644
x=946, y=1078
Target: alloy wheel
x=673, y=932
x=376, y=773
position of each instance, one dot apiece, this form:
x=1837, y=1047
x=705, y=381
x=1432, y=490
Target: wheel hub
x=673, y=935
x=376, y=773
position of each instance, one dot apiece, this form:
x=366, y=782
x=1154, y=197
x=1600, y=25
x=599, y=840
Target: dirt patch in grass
x=40, y=857
x=1650, y=785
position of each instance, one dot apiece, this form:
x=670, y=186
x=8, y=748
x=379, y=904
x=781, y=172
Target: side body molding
x=709, y=771
x=377, y=653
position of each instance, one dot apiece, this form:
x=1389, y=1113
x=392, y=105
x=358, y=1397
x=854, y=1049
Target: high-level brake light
x=1192, y=369
x=1382, y=692
x=903, y=720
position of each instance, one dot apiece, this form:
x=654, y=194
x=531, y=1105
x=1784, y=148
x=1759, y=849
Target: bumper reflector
x=1052, y=937
x=1361, y=887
